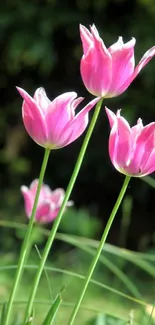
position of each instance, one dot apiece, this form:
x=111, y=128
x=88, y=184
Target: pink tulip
x=131, y=149
x=109, y=72
x=54, y=124
x=49, y=202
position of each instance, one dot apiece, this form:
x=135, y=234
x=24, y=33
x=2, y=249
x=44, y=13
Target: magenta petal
x=111, y=116
x=31, y=104
x=58, y=196
x=33, y=186
x=113, y=140
x=61, y=112
x=46, y=190
x=147, y=135
x=28, y=200
x=53, y=214
x=41, y=99
x=143, y=148
x=62, y=104
x=75, y=103
x=123, y=63
x=124, y=142
x=42, y=212
x=33, y=119
x=49, y=201
x=135, y=164
x=147, y=140
x=78, y=125
x=95, y=71
x=120, y=143
x=136, y=130
x=149, y=166
x=145, y=59
x=86, y=38
x=95, y=66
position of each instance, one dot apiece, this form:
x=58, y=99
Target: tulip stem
x=58, y=219
x=25, y=244
x=99, y=249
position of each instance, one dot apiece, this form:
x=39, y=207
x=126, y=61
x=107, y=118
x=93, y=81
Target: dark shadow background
x=40, y=46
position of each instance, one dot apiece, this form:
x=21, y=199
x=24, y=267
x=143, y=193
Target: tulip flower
x=109, y=72
x=53, y=124
x=49, y=202
x=131, y=149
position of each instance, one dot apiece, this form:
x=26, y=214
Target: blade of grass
x=80, y=276
x=31, y=319
x=73, y=239
x=151, y=315
x=53, y=311
x=3, y=313
x=149, y=180
x=115, y=270
x=46, y=275
x=70, y=305
x=126, y=254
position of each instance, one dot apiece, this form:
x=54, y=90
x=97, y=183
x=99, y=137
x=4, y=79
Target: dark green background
x=40, y=46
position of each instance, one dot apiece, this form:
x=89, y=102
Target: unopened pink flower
x=49, y=201
x=53, y=124
x=109, y=72
x=131, y=149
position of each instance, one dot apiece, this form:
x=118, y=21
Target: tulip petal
x=78, y=125
x=33, y=186
x=111, y=116
x=144, y=60
x=60, y=113
x=147, y=140
x=28, y=200
x=123, y=63
x=119, y=140
x=33, y=118
x=41, y=99
x=120, y=143
x=149, y=166
x=42, y=212
x=96, y=66
x=49, y=201
x=58, y=196
x=86, y=38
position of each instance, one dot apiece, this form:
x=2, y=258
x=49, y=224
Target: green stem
x=99, y=249
x=25, y=244
x=58, y=219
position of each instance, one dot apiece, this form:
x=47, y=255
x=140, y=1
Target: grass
x=120, y=293
x=98, y=300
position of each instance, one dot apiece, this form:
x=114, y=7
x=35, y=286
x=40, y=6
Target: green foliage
x=31, y=319
x=53, y=311
x=80, y=222
x=40, y=45
x=106, y=320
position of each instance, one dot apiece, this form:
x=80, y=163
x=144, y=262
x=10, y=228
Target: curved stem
x=58, y=219
x=25, y=245
x=100, y=248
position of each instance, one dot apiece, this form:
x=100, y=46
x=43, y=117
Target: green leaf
x=3, y=313
x=103, y=319
x=31, y=319
x=53, y=310
x=100, y=320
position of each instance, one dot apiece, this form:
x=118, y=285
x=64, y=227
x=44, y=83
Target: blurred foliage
x=108, y=300
x=106, y=320
x=40, y=46
x=80, y=223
